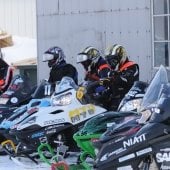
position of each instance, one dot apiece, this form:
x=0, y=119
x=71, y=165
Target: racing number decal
x=81, y=113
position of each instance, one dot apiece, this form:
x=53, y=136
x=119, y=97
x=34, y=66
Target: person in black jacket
x=59, y=67
x=123, y=72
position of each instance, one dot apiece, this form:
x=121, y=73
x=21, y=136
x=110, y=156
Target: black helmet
x=54, y=56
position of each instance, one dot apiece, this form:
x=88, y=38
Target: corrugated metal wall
x=75, y=24
x=18, y=17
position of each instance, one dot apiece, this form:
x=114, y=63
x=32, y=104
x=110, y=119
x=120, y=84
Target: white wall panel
x=75, y=24
x=18, y=17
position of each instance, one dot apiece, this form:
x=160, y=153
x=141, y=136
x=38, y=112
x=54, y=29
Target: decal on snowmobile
x=107, y=155
x=14, y=100
x=55, y=121
x=51, y=131
x=81, y=113
x=36, y=135
x=53, y=126
x=143, y=151
x=164, y=167
x=124, y=158
x=43, y=139
x=161, y=157
x=134, y=140
x=129, y=167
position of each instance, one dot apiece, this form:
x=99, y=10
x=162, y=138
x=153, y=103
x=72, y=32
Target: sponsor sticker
x=141, y=152
x=128, y=167
x=124, y=158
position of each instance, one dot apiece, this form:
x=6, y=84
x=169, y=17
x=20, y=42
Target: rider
x=94, y=64
x=59, y=67
x=6, y=74
x=124, y=72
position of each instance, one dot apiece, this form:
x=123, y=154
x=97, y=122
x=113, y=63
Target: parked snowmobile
x=57, y=123
x=96, y=126
x=40, y=98
x=146, y=141
x=18, y=93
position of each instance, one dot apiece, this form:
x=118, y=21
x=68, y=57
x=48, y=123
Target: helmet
x=88, y=56
x=116, y=56
x=54, y=56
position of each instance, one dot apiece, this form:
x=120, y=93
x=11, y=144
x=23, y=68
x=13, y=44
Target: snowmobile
x=145, y=143
x=57, y=123
x=95, y=127
x=40, y=98
x=18, y=93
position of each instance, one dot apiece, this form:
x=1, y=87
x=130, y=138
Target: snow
x=7, y=164
x=23, y=48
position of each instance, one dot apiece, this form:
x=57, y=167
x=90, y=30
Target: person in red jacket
x=94, y=64
x=6, y=75
x=123, y=72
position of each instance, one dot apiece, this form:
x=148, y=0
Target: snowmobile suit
x=59, y=71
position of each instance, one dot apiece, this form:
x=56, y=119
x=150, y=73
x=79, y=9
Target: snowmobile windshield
x=17, y=91
x=153, y=91
x=44, y=89
x=64, y=84
x=98, y=124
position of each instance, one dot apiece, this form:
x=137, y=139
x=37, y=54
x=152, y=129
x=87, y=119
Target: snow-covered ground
x=7, y=164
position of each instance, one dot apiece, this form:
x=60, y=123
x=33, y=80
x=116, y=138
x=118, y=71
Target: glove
x=100, y=89
x=91, y=77
x=80, y=93
x=113, y=73
x=105, y=82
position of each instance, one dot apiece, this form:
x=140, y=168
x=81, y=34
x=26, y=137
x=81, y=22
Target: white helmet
x=89, y=53
x=116, y=56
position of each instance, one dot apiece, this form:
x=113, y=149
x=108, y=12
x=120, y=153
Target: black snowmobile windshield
x=17, y=90
x=44, y=89
x=64, y=84
x=153, y=91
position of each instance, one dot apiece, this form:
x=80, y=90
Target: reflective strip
x=104, y=66
x=126, y=65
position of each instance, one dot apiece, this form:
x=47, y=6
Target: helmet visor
x=113, y=61
x=81, y=58
x=47, y=57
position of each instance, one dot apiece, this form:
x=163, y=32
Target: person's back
x=59, y=68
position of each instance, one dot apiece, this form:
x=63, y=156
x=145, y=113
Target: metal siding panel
x=99, y=23
x=49, y=7
x=18, y=17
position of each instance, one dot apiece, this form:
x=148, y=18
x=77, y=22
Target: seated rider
x=94, y=64
x=123, y=72
x=59, y=67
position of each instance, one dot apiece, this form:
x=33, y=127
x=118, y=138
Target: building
x=19, y=46
x=141, y=26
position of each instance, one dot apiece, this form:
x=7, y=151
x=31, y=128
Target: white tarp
x=23, y=48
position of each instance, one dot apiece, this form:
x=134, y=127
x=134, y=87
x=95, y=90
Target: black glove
x=113, y=73
x=105, y=82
